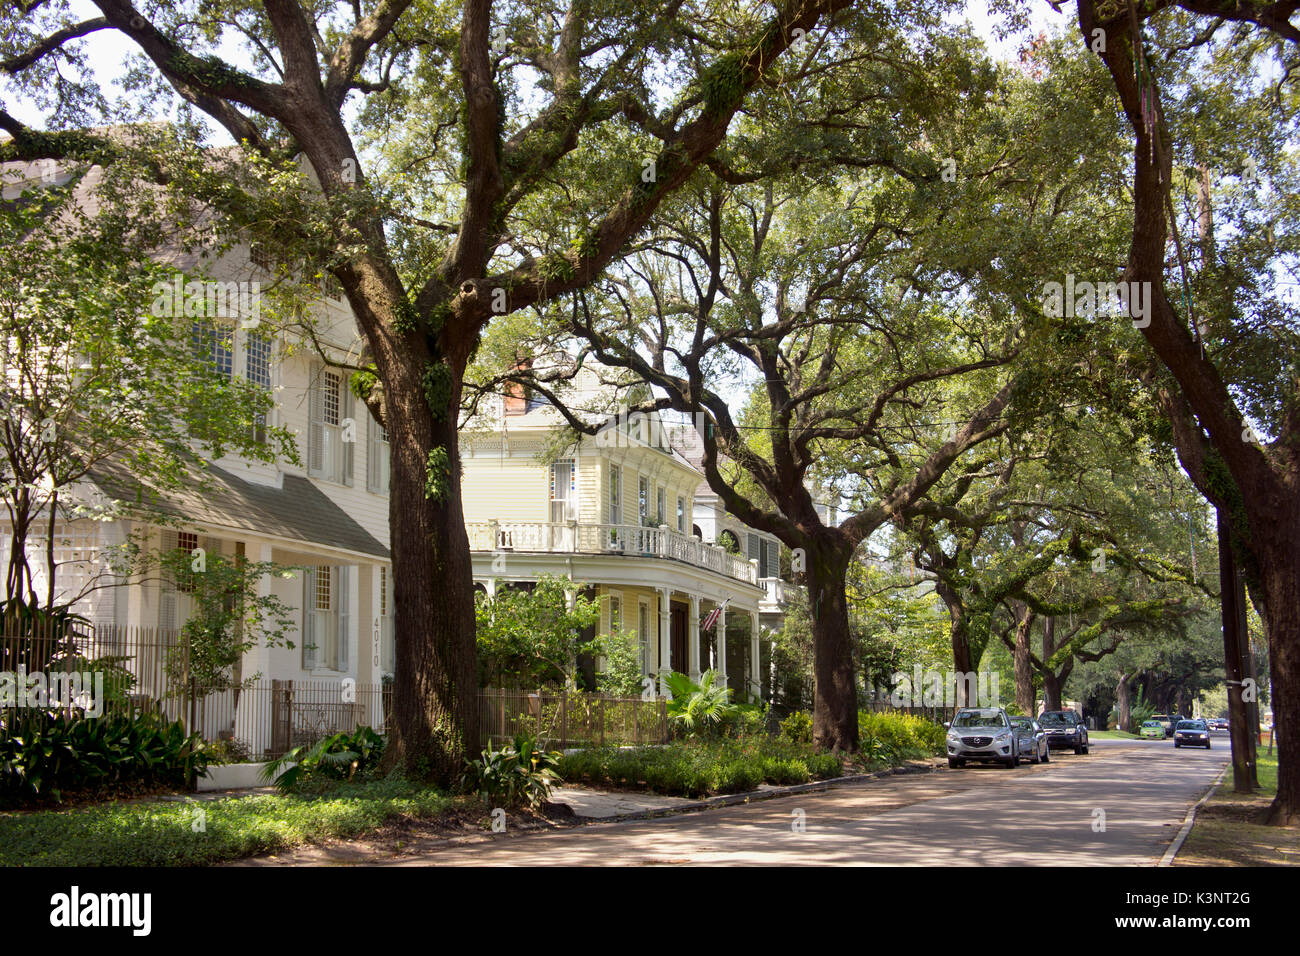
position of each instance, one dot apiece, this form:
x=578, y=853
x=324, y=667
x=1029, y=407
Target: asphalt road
x=1035, y=815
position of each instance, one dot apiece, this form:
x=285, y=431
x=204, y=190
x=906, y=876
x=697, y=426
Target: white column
x=665, y=639
x=720, y=642
x=258, y=661
x=755, y=681
x=693, y=639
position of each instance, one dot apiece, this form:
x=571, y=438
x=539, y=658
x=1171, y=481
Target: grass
x=1112, y=735
x=166, y=833
x=1229, y=830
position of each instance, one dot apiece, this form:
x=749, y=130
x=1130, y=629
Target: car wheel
x=1207, y=745
x=1047, y=754
x=1085, y=748
x=1014, y=759
x=1038, y=756
x=955, y=762
x=1177, y=745
x=1078, y=749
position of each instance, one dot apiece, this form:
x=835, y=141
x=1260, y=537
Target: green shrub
x=340, y=756
x=786, y=771
x=515, y=775
x=698, y=768
x=824, y=766
x=798, y=727
x=45, y=754
x=901, y=735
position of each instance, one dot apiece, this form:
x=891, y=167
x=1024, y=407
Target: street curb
x=1168, y=858
x=751, y=796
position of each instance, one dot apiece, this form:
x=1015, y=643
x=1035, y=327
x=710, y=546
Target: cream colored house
x=617, y=513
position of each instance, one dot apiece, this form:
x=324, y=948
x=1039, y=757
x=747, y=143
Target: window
x=564, y=491
x=681, y=514
x=615, y=494
x=643, y=635
x=214, y=345
x=257, y=369
x=186, y=543
x=326, y=621
x=378, y=458
x=661, y=510
x=643, y=501
x=329, y=455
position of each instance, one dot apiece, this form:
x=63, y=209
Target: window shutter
x=755, y=545
x=346, y=403
x=166, y=589
x=316, y=426
x=343, y=577
x=308, y=619
x=372, y=455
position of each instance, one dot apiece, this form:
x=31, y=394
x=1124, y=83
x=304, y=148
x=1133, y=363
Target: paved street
x=975, y=816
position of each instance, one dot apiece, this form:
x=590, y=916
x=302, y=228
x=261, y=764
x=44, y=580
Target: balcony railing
x=779, y=592
x=577, y=538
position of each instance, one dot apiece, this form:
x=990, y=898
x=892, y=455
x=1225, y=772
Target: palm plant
x=699, y=708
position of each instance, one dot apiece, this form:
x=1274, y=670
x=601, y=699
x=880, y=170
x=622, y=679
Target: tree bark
x=1230, y=592
x=435, y=699
x=1024, y=668
x=835, y=686
x=1123, y=704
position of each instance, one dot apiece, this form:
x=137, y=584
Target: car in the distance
x=1167, y=721
x=982, y=734
x=1152, y=728
x=1065, y=728
x=1192, y=733
x=1217, y=723
x=1033, y=740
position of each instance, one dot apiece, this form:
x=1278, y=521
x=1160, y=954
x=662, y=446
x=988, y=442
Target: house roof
x=298, y=510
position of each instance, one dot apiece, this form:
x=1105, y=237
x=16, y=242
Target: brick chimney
x=516, y=401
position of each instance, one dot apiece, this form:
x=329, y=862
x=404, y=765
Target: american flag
x=716, y=613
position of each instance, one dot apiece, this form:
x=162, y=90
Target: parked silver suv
x=984, y=734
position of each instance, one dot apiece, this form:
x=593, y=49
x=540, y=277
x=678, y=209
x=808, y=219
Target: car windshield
x=979, y=718
x=1055, y=720
x=1190, y=725
x=1151, y=723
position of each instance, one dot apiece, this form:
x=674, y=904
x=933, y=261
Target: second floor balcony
x=609, y=539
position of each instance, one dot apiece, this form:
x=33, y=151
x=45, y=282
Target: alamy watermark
x=195, y=299
x=931, y=688
x=1098, y=299
x=37, y=690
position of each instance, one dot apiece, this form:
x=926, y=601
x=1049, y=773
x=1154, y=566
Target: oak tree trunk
x=435, y=694
x=835, y=692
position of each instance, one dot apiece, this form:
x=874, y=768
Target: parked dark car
x=1033, y=740
x=1192, y=733
x=1065, y=728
